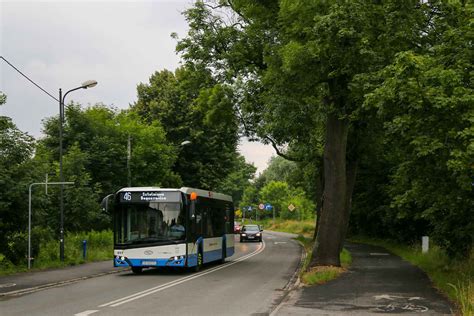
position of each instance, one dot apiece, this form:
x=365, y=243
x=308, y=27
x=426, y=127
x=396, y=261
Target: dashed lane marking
x=85, y=313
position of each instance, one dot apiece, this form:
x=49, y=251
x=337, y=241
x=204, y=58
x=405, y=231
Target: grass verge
x=323, y=274
x=99, y=247
x=455, y=278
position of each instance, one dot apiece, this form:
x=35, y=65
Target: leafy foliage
x=192, y=107
x=16, y=150
x=426, y=148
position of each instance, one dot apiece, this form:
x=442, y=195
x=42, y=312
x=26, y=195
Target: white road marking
x=415, y=298
x=85, y=313
x=384, y=297
x=165, y=286
x=279, y=242
x=392, y=297
x=7, y=285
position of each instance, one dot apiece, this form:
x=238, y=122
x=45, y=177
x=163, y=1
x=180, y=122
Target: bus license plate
x=149, y=263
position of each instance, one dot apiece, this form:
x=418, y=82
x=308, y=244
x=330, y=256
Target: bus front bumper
x=177, y=261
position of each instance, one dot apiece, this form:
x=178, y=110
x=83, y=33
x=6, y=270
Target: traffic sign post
x=269, y=207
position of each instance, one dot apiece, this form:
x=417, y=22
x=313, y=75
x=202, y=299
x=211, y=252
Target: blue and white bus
x=157, y=227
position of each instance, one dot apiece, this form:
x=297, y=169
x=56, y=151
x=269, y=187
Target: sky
x=61, y=44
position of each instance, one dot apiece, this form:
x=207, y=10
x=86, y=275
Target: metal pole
x=274, y=215
x=129, y=156
x=61, y=178
x=61, y=175
x=29, y=226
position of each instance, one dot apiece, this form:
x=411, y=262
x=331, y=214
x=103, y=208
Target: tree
x=426, y=102
x=18, y=171
x=102, y=133
x=276, y=193
x=190, y=105
x=293, y=66
x=237, y=180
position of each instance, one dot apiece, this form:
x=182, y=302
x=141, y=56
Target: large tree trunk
x=328, y=240
x=351, y=172
x=319, y=199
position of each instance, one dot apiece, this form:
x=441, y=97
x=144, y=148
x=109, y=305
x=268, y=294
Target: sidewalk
x=27, y=282
x=376, y=283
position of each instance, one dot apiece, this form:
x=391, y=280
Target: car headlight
x=244, y=234
x=258, y=235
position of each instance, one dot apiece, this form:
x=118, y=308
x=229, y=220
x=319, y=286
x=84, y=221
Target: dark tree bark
x=351, y=173
x=328, y=240
x=319, y=198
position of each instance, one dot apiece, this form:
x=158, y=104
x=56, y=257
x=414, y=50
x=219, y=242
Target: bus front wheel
x=137, y=270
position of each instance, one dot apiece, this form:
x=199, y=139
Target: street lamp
x=84, y=85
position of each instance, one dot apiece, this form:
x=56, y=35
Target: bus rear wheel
x=137, y=270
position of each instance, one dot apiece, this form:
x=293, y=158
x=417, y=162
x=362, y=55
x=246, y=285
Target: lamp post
x=85, y=85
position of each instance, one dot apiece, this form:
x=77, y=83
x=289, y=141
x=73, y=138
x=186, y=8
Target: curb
x=56, y=284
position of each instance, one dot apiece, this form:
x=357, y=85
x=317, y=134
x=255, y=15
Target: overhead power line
x=28, y=79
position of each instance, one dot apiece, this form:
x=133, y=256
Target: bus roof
x=185, y=190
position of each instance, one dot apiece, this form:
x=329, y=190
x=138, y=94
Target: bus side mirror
x=104, y=205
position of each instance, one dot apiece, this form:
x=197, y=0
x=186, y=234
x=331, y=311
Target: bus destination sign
x=149, y=196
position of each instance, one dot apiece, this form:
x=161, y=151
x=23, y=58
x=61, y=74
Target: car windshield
x=251, y=229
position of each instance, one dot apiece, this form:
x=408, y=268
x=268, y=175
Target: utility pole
x=129, y=157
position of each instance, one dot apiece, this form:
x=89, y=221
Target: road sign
x=291, y=207
x=249, y=208
x=261, y=206
x=268, y=207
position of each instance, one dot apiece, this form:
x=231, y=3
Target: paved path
x=377, y=283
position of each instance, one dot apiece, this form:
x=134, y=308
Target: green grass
x=455, y=278
x=323, y=274
x=99, y=247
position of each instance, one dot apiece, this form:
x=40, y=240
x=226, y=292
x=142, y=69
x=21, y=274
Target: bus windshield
x=149, y=222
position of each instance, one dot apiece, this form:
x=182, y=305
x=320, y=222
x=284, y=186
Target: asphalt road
x=252, y=282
